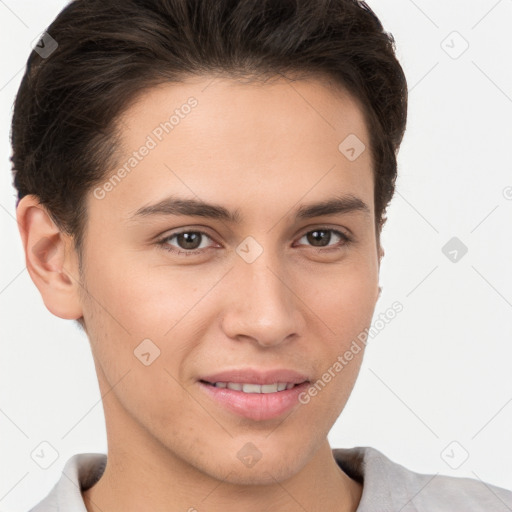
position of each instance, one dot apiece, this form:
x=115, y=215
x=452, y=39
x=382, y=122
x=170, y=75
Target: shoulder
x=388, y=485
x=80, y=472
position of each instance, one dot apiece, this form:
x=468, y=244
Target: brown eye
x=185, y=241
x=322, y=236
x=189, y=240
x=319, y=238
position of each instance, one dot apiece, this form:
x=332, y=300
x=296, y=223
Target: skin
x=264, y=149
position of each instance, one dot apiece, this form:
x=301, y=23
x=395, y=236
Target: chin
x=265, y=474
x=251, y=467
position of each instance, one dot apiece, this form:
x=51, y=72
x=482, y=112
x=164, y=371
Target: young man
x=202, y=186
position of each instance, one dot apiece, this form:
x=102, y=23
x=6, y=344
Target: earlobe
x=50, y=259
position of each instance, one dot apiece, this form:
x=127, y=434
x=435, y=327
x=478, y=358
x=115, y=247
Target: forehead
x=227, y=141
x=225, y=107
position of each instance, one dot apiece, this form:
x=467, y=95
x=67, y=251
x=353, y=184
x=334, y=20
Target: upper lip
x=255, y=376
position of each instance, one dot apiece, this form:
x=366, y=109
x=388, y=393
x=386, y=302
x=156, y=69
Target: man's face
x=272, y=291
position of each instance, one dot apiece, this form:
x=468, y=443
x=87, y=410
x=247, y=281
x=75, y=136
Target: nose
x=263, y=304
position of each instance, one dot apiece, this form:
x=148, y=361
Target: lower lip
x=256, y=406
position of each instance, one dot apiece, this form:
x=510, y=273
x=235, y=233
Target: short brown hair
x=64, y=122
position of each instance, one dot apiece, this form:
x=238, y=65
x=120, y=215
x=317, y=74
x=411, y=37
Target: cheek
x=141, y=301
x=133, y=355
x=346, y=305
x=346, y=299
x=133, y=311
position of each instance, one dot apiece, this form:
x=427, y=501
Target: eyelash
x=346, y=240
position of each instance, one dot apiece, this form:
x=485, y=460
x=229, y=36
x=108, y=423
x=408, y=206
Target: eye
x=321, y=237
x=190, y=242
x=187, y=241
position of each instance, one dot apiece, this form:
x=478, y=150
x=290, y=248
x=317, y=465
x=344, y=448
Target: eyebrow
x=196, y=208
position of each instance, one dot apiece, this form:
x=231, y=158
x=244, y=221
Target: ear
x=380, y=254
x=50, y=258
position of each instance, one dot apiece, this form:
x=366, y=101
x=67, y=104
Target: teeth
x=252, y=388
x=255, y=388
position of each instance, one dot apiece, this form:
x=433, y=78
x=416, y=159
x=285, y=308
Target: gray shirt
x=387, y=486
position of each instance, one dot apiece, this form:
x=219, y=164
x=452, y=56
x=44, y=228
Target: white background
x=439, y=372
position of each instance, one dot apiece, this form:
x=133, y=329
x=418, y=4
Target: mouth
x=246, y=387
x=257, y=394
